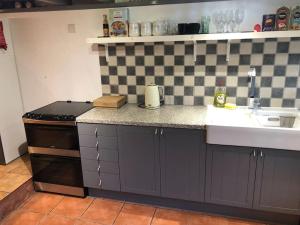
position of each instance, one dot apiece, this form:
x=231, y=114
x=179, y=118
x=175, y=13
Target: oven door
x=57, y=174
x=52, y=136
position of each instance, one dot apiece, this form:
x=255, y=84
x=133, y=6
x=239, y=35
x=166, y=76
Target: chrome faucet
x=254, y=103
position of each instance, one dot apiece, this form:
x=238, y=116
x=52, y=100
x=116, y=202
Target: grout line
x=45, y=215
x=55, y=205
x=119, y=212
x=93, y=199
x=153, y=215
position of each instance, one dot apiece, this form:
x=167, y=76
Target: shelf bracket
x=195, y=50
x=228, y=50
x=106, y=53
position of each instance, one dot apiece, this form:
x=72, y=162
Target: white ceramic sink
x=245, y=127
x=269, y=117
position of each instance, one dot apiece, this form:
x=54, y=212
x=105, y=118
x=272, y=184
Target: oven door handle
x=54, y=151
x=49, y=122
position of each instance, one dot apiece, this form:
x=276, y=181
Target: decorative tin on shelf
x=118, y=20
x=268, y=23
x=295, y=18
x=282, y=19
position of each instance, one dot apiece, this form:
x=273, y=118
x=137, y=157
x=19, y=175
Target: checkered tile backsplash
x=171, y=64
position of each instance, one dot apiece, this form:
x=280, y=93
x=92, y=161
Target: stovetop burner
x=60, y=111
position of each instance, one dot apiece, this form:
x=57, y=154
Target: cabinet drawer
x=107, y=130
x=105, y=155
x=97, y=129
x=103, y=181
x=87, y=129
x=91, y=179
x=110, y=182
x=102, y=166
x=88, y=141
x=108, y=143
x=103, y=142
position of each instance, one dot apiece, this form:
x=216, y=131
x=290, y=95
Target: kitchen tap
x=253, y=102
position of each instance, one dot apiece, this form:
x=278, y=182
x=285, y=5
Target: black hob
x=60, y=111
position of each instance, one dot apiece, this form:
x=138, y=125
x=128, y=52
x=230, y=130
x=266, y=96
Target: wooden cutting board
x=110, y=101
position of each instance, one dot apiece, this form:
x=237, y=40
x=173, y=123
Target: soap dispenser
x=220, y=95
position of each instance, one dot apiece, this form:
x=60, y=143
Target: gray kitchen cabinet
x=230, y=175
x=139, y=160
x=99, y=156
x=182, y=157
x=277, y=186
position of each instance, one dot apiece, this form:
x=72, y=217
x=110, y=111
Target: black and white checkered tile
x=171, y=64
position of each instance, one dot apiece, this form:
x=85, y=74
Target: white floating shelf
x=197, y=37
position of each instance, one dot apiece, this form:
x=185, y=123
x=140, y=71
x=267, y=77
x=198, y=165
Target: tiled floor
x=14, y=175
x=53, y=209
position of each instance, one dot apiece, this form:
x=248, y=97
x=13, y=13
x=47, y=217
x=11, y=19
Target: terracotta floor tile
x=22, y=170
x=86, y=222
x=57, y=220
x=103, y=211
x=10, y=166
x=72, y=207
x=202, y=219
x=3, y=194
x=23, y=217
x=42, y=202
x=10, y=181
x=132, y=214
x=170, y=217
x=240, y=222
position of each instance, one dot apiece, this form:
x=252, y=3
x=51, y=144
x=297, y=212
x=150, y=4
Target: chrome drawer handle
x=100, y=183
x=98, y=169
x=254, y=153
x=97, y=144
x=161, y=131
x=96, y=132
x=98, y=157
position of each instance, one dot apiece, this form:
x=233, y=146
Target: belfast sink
x=281, y=117
x=254, y=128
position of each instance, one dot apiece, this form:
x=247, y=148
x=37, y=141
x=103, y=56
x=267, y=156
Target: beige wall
x=54, y=64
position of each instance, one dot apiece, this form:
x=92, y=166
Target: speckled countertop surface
x=130, y=114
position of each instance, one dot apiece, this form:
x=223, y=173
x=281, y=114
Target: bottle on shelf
x=105, y=26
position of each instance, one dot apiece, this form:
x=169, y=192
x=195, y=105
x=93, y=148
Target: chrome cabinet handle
x=98, y=157
x=96, y=132
x=254, y=153
x=98, y=169
x=156, y=131
x=161, y=132
x=97, y=145
x=261, y=154
x=100, y=183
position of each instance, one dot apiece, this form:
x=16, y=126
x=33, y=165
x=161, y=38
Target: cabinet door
x=278, y=181
x=230, y=175
x=182, y=156
x=139, y=160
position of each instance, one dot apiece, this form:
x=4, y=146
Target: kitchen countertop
x=237, y=127
x=130, y=114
